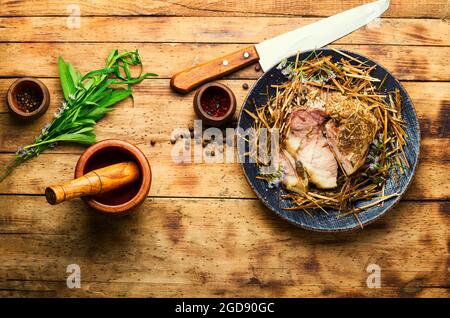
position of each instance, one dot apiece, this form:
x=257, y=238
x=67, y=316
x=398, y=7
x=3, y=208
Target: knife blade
x=270, y=52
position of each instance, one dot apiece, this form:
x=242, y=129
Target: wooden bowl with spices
x=109, y=152
x=214, y=104
x=28, y=98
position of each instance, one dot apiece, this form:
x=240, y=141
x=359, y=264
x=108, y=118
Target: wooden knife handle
x=187, y=80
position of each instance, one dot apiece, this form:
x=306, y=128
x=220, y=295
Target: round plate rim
x=396, y=199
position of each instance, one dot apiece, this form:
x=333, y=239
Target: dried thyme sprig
x=86, y=100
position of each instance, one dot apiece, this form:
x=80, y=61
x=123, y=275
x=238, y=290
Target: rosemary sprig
x=86, y=100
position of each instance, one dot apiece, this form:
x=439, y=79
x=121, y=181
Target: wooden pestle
x=94, y=182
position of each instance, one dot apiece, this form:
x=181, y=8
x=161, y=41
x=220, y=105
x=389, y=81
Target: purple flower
x=44, y=130
x=20, y=152
x=330, y=76
x=373, y=167
x=274, y=183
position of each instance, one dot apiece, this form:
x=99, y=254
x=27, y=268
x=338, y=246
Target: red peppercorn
x=215, y=102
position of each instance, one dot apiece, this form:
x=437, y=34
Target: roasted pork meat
x=328, y=129
x=293, y=175
x=350, y=131
x=307, y=144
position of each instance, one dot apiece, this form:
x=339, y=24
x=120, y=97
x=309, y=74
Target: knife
x=270, y=52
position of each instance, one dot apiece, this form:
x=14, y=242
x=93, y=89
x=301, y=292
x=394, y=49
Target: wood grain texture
x=40, y=59
x=188, y=79
x=202, y=180
x=213, y=30
x=398, y=8
x=184, y=247
x=157, y=111
x=201, y=232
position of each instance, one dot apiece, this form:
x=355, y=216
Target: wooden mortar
x=111, y=151
x=122, y=189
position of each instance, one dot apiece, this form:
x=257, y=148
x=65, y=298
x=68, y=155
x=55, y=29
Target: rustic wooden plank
x=39, y=59
x=202, y=179
x=398, y=8
x=146, y=121
x=184, y=247
x=157, y=111
x=431, y=99
x=212, y=30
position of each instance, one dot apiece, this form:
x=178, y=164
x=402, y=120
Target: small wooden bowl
x=216, y=89
x=28, y=84
x=108, y=152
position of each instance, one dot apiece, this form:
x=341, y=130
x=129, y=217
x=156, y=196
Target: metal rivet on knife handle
x=189, y=79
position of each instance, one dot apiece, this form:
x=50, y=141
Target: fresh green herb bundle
x=87, y=99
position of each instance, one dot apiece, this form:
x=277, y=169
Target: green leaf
x=67, y=84
x=76, y=114
x=111, y=56
x=115, y=97
x=88, y=84
x=101, y=92
x=70, y=127
x=73, y=74
x=87, y=121
x=126, y=68
x=98, y=113
x=85, y=129
x=83, y=138
x=104, y=71
x=136, y=80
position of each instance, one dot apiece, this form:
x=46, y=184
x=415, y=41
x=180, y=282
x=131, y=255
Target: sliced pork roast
x=307, y=144
x=350, y=132
x=329, y=127
x=293, y=177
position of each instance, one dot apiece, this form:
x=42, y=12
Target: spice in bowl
x=28, y=98
x=215, y=104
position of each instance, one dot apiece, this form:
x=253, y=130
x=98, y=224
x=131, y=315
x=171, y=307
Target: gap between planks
x=197, y=8
x=213, y=198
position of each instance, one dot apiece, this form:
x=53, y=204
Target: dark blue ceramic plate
x=321, y=221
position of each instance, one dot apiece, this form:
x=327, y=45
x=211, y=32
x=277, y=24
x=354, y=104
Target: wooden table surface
x=201, y=231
